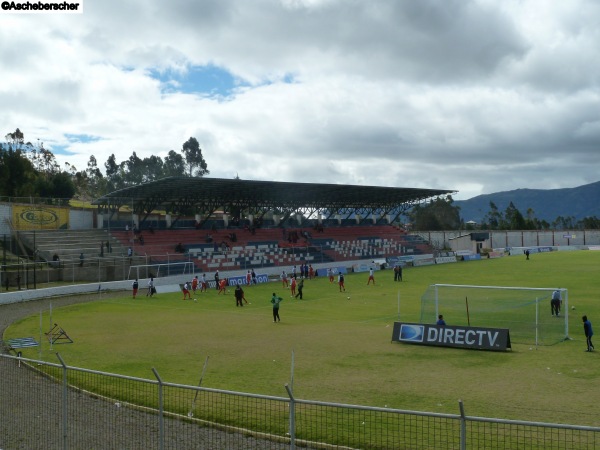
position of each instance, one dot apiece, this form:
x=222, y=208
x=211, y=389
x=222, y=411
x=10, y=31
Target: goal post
x=160, y=270
x=525, y=312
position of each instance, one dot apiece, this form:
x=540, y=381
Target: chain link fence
x=54, y=406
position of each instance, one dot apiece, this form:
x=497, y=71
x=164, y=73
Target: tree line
x=441, y=214
x=31, y=170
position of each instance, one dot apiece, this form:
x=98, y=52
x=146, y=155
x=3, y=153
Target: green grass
x=342, y=347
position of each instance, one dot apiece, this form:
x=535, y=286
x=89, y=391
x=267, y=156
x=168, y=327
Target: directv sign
x=475, y=338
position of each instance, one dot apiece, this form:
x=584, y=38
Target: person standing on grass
x=135, y=286
x=341, y=282
x=371, y=276
x=300, y=287
x=275, y=301
x=330, y=274
x=293, y=287
x=587, y=329
x=195, y=284
x=239, y=296
x=217, y=280
x=222, y=286
x=203, y=284
x=150, y=292
x=284, y=280
x=186, y=291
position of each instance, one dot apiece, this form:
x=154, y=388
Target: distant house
x=471, y=242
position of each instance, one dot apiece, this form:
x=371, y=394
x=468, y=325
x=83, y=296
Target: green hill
x=547, y=204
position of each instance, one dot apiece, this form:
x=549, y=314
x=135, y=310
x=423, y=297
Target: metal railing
x=54, y=406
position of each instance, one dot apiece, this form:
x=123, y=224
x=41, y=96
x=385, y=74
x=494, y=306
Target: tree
x=493, y=218
x=513, y=218
x=114, y=174
x=439, y=214
x=17, y=174
x=194, y=161
x=174, y=166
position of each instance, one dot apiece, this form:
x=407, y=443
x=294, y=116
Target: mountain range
x=547, y=204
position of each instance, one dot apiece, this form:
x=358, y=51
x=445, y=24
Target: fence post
x=463, y=426
x=161, y=420
x=64, y=402
x=292, y=418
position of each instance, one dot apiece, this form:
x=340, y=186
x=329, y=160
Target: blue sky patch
x=209, y=80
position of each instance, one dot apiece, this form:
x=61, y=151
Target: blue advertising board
x=475, y=338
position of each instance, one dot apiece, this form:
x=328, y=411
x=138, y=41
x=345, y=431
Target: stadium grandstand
x=222, y=224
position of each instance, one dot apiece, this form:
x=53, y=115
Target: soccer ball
x=573, y=308
x=348, y=297
x=196, y=300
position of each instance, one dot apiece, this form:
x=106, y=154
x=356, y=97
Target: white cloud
x=477, y=96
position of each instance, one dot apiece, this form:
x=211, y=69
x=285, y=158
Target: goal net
x=160, y=270
x=525, y=312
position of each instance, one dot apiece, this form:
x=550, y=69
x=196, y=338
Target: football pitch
x=342, y=342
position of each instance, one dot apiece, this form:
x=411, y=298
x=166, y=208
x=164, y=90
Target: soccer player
x=371, y=277
x=293, y=287
x=275, y=300
x=186, y=291
x=587, y=329
x=248, y=278
x=222, y=286
x=555, y=303
x=341, y=282
x=217, y=284
x=330, y=274
x=300, y=287
x=239, y=296
x=135, y=285
x=203, y=284
x=284, y=279
x=195, y=284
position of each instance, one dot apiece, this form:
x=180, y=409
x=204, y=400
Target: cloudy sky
x=475, y=96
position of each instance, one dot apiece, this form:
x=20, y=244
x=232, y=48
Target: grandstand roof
x=207, y=195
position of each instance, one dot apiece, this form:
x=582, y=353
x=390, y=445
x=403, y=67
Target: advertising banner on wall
x=474, y=338
x=29, y=217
